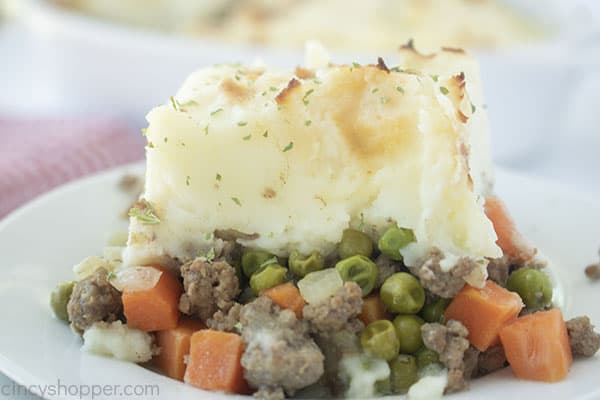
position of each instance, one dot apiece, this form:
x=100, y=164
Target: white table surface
x=573, y=157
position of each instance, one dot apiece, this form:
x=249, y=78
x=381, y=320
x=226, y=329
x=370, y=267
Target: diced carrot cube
x=174, y=345
x=215, y=362
x=537, y=346
x=509, y=240
x=286, y=296
x=484, y=312
x=154, y=309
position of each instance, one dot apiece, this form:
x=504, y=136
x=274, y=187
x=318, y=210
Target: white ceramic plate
x=40, y=242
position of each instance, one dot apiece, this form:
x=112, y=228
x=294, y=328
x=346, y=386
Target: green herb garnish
x=189, y=103
x=187, y=180
x=175, y=104
x=375, y=90
x=144, y=214
x=305, y=98
x=218, y=110
x=247, y=137
x=236, y=201
x=288, y=147
x=399, y=89
x=209, y=256
x=266, y=134
x=361, y=226
x=218, y=177
x=242, y=123
x=144, y=131
x=308, y=122
x=444, y=90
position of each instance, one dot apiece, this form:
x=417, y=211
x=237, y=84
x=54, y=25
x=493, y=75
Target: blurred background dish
x=534, y=55
x=363, y=26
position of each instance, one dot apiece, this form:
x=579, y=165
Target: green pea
x=402, y=293
x=426, y=356
x=267, y=277
x=408, y=330
x=379, y=340
x=301, y=266
x=359, y=269
x=393, y=240
x=533, y=286
x=355, y=243
x=59, y=298
x=404, y=372
x=434, y=312
x=253, y=259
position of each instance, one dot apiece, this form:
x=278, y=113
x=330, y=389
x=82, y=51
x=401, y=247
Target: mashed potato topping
x=292, y=158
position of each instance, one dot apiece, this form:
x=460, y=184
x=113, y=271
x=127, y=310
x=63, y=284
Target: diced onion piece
x=118, y=341
x=133, y=279
x=89, y=265
x=318, y=286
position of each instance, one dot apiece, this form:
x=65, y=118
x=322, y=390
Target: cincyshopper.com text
x=83, y=391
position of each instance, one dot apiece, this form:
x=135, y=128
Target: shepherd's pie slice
x=289, y=159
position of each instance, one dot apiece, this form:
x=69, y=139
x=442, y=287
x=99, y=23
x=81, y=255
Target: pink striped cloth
x=38, y=155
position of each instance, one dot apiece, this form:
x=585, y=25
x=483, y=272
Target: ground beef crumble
x=209, y=287
x=490, y=360
x=279, y=352
x=445, y=284
x=450, y=342
x=336, y=345
x=582, y=337
x=228, y=251
x=94, y=299
x=593, y=272
x=225, y=321
x=499, y=269
x=270, y=393
x=338, y=312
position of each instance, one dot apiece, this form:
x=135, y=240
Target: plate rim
x=22, y=377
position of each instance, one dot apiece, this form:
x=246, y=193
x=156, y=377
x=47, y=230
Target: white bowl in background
x=92, y=66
